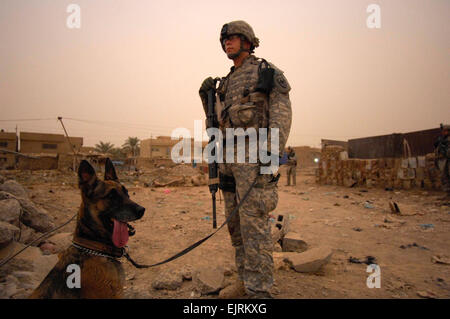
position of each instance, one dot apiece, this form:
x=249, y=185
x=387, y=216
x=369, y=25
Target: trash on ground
x=368, y=260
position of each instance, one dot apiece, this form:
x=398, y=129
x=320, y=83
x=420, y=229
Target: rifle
x=212, y=165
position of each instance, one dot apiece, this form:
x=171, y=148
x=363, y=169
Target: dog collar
x=96, y=248
x=93, y=252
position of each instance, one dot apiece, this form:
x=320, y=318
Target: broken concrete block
x=292, y=242
x=14, y=188
x=10, y=211
x=7, y=233
x=27, y=235
x=310, y=260
x=168, y=279
x=34, y=217
x=208, y=280
x=186, y=272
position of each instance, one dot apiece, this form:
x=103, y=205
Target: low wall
x=335, y=168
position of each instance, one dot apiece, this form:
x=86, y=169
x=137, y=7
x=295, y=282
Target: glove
x=207, y=85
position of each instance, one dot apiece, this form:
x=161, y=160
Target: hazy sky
x=134, y=67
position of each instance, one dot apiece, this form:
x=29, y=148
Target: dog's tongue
x=120, y=234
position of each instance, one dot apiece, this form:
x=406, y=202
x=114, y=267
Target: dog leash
x=196, y=244
x=125, y=253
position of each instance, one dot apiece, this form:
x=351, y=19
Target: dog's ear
x=110, y=171
x=86, y=177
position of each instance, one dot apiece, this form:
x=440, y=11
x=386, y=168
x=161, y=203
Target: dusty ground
x=320, y=213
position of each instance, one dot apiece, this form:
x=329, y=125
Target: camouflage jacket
x=239, y=105
x=292, y=159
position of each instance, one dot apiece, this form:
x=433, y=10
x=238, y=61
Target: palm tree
x=104, y=147
x=117, y=153
x=132, y=145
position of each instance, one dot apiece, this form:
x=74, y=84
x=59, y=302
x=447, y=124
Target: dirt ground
x=324, y=215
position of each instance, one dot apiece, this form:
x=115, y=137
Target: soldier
x=291, y=167
x=255, y=94
x=442, y=153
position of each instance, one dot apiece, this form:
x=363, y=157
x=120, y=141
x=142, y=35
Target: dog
x=101, y=232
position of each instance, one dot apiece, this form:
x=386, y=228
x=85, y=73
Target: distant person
x=442, y=153
x=291, y=167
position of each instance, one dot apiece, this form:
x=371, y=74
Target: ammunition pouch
x=265, y=78
x=251, y=112
x=227, y=183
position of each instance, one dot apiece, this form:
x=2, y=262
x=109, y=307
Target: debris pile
x=21, y=222
x=179, y=175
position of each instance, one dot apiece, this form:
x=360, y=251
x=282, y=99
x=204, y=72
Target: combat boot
x=233, y=291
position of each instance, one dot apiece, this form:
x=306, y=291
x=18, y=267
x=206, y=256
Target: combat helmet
x=241, y=28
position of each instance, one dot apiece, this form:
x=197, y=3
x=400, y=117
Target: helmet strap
x=242, y=49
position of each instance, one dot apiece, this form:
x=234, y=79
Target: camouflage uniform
x=249, y=228
x=291, y=168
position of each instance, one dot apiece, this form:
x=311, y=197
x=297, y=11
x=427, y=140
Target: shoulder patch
x=281, y=83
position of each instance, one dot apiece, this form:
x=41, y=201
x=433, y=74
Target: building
x=396, y=145
x=8, y=142
x=326, y=143
x=39, y=143
x=161, y=147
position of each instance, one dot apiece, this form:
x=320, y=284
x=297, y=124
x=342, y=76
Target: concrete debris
x=292, y=242
x=10, y=211
x=427, y=294
x=208, y=280
x=441, y=259
x=8, y=233
x=168, y=280
x=309, y=261
x=14, y=188
x=25, y=272
x=32, y=216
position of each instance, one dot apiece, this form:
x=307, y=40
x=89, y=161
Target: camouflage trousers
x=249, y=228
x=291, y=174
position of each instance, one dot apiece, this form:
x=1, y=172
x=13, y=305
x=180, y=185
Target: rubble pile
x=179, y=175
x=335, y=168
x=21, y=222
